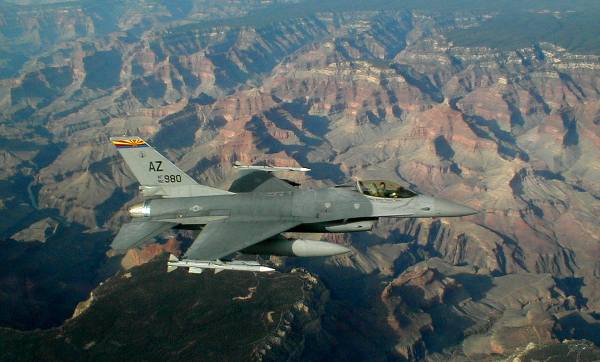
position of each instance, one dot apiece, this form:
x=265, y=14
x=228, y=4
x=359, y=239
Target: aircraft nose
x=449, y=208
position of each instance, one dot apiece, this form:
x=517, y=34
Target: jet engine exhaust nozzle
x=139, y=210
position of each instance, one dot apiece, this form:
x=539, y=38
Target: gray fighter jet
x=258, y=207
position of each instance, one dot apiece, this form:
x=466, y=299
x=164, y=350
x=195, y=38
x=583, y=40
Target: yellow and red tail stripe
x=130, y=143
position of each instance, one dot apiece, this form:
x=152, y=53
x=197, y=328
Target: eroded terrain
x=351, y=93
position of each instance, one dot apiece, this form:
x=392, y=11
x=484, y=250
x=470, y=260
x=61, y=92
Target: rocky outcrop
x=434, y=307
x=350, y=94
x=202, y=316
x=38, y=231
x=83, y=306
x=581, y=350
x=136, y=257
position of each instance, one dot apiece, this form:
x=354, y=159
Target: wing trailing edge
x=221, y=238
x=134, y=233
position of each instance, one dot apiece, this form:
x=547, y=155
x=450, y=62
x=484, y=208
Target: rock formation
x=351, y=93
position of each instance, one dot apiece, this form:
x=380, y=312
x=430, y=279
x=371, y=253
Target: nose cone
x=335, y=249
x=448, y=208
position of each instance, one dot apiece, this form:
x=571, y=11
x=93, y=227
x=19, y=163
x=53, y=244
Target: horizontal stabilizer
x=134, y=233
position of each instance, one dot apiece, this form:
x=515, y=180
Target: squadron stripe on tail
x=129, y=143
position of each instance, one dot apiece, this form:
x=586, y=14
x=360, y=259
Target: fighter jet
x=251, y=216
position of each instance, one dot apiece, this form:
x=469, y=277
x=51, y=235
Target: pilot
x=381, y=189
x=372, y=191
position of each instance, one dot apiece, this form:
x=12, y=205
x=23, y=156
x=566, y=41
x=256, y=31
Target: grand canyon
x=456, y=99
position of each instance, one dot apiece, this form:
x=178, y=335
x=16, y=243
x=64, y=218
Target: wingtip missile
x=240, y=166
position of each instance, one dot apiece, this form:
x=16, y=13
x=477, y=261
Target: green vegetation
x=281, y=12
x=576, y=31
x=177, y=316
x=572, y=25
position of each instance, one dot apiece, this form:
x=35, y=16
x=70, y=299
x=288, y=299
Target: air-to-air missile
x=197, y=266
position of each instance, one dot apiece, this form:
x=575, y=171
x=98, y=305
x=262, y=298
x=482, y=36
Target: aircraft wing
x=259, y=181
x=134, y=233
x=221, y=238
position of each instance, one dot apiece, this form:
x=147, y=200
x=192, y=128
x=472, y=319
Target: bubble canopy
x=385, y=189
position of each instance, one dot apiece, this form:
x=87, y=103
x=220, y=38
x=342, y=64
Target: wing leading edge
x=221, y=238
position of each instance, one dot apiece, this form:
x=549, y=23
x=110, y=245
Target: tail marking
x=129, y=143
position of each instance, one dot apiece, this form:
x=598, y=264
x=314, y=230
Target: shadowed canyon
x=420, y=92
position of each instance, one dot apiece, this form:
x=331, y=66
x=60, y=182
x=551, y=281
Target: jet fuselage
x=258, y=208
x=309, y=207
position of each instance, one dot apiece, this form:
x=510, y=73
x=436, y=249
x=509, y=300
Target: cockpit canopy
x=383, y=188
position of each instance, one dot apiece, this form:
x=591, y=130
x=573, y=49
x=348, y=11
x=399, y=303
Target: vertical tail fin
x=156, y=174
x=148, y=166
